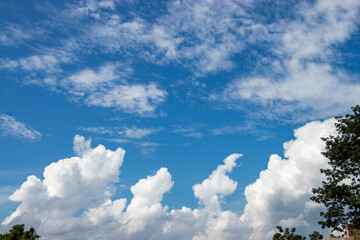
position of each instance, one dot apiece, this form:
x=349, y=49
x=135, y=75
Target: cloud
x=12, y=34
x=217, y=185
x=280, y=196
x=12, y=128
x=78, y=194
x=138, y=133
x=302, y=77
x=126, y=132
x=315, y=89
x=46, y=63
x=202, y=36
x=138, y=98
x=107, y=88
x=100, y=130
x=68, y=185
x=194, y=131
x=88, y=80
x=292, y=62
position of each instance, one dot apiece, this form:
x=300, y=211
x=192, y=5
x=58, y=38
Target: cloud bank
x=75, y=197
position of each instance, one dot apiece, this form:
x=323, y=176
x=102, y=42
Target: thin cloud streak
x=9, y=126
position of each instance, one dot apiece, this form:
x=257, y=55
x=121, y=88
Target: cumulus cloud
x=68, y=185
x=280, y=195
x=76, y=194
x=10, y=127
x=217, y=185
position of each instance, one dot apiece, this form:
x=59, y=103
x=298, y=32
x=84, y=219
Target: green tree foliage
x=315, y=236
x=290, y=235
x=340, y=193
x=17, y=233
x=287, y=234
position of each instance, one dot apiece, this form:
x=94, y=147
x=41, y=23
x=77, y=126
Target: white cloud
x=138, y=133
x=319, y=26
x=100, y=130
x=10, y=127
x=142, y=99
x=76, y=195
x=315, y=89
x=127, y=132
x=203, y=37
x=68, y=185
x=88, y=80
x=12, y=34
x=303, y=78
x=280, y=196
x=47, y=63
x=217, y=185
x=107, y=88
x=204, y=34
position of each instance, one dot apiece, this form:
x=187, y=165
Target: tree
x=287, y=234
x=17, y=233
x=290, y=235
x=340, y=193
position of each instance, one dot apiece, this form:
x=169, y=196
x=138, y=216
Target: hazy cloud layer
x=76, y=194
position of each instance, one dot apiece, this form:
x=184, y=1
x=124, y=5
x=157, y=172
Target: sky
x=170, y=119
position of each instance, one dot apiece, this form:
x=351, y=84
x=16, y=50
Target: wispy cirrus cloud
x=291, y=59
x=12, y=34
x=106, y=86
x=132, y=132
x=303, y=77
x=200, y=36
x=141, y=99
x=10, y=127
x=138, y=133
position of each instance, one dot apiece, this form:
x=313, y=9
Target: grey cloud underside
x=297, y=73
x=77, y=194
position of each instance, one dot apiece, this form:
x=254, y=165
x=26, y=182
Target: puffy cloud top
x=74, y=200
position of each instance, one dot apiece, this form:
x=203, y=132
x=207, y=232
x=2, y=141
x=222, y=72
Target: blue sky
x=180, y=86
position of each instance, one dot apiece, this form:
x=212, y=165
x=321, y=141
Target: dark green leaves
x=290, y=235
x=340, y=193
x=17, y=233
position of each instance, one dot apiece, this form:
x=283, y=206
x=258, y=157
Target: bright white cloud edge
x=74, y=197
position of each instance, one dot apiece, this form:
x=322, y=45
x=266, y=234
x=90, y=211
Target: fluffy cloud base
x=74, y=199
